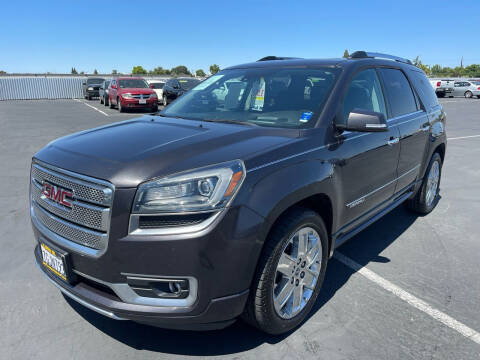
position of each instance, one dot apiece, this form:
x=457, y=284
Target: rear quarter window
x=424, y=89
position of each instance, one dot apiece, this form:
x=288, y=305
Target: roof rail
x=364, y=54
x=267, y=58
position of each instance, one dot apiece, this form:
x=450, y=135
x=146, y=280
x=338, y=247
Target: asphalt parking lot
x=435, y=259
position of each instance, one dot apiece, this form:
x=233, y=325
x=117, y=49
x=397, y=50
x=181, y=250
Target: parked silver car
x=466, y=88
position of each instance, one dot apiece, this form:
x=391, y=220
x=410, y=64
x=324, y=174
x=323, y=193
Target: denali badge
x=56, y=193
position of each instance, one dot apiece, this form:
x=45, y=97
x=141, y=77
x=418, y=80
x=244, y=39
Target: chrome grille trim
x=90, y=191
x=83, y=236
x=91, y=216
x=84, y=228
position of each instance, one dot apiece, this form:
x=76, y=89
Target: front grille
x=87, y=222
x=140, y=96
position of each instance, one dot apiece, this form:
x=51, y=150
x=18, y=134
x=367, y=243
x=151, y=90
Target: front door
x=369, y=160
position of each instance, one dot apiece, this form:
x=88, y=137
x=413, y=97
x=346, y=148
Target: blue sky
x=118, y=35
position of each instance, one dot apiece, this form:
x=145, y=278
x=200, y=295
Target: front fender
x=279, y=189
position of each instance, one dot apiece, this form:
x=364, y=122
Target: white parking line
x=463, y=137
x=410, y=299
x=93, y=107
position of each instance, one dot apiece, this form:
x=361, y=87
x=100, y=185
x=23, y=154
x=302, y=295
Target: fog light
x=159, y=288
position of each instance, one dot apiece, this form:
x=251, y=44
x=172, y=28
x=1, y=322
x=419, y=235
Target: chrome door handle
x=393, y=141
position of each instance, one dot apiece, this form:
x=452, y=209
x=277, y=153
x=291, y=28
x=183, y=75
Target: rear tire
x=441, y=94
x=468, y=94
x=428, y=194
x=165, y=100
x=105, y=100
x=265, y=308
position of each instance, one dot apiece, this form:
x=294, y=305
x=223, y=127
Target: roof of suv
x=356, y=58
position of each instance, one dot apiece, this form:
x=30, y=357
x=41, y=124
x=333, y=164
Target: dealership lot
x=433, y=258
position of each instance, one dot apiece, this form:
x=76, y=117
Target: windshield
x=132, y=83
x=279, y=97
x=157, y=85
x=187, y=84
x=95, y=81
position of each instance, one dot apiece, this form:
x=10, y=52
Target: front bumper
x=94, y=93
x=134, y=103
x=222, y=259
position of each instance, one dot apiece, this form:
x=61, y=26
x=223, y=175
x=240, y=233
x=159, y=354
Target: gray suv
x=230, y=202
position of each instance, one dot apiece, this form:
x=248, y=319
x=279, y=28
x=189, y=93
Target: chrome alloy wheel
x=297, y=272
x=432, y=183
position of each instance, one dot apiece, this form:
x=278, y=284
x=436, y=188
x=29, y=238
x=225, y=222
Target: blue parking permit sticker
x=306, y=116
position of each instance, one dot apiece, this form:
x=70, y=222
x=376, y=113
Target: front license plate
x=142, y=101
x=53, y=261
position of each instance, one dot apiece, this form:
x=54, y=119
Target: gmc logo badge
x=57, y=194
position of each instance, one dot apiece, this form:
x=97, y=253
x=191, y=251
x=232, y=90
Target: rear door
x=369, y=160
x=412, y=122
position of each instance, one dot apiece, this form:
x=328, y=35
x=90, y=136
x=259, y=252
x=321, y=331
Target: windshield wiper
x=226, y=121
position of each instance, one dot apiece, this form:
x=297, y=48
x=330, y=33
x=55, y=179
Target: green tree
x=74, y=71
x=95, y=72
x=138, y=70
x=200, y=72
x=346, y=54
x=214, y=69
x=158, y=71
x=473, y=70
x=2, y=72
x=114, y=72
x=436, y=69
x=418, y=63
x=180, y=70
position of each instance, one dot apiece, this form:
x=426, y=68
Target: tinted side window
x=399, y=92
x=424, y=89
x=364, y=92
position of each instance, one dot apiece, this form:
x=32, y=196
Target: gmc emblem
x=57, y=194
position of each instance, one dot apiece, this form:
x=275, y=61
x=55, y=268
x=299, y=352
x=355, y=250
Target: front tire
x=289, y=274
x=105, y=101
x=119, y=105
x=428, y=195
x=468, y=94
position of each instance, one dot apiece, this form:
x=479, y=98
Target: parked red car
x=131, y=92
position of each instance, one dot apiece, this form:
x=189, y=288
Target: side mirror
x=113, y=86
x=152, y=86
x=364, y=121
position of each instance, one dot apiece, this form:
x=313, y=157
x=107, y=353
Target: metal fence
x=31, y=87
x=46, y=87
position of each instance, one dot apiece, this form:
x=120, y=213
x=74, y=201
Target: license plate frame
x=142, y=101
x=53, y=259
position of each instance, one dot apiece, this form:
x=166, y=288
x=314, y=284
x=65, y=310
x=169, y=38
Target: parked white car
x=442, y=87
x=467, y=89
x=157, y=86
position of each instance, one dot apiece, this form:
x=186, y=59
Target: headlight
x=209, y=188
x=90, y=88
x=127, y=96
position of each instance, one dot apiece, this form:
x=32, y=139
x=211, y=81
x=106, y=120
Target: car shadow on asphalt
x=363, y=248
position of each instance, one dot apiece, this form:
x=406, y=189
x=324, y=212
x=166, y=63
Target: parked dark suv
x=176, y=87
x=91, y=87
x=218, y=209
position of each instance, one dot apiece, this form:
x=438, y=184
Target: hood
x=130, y=152
x=136, y=91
